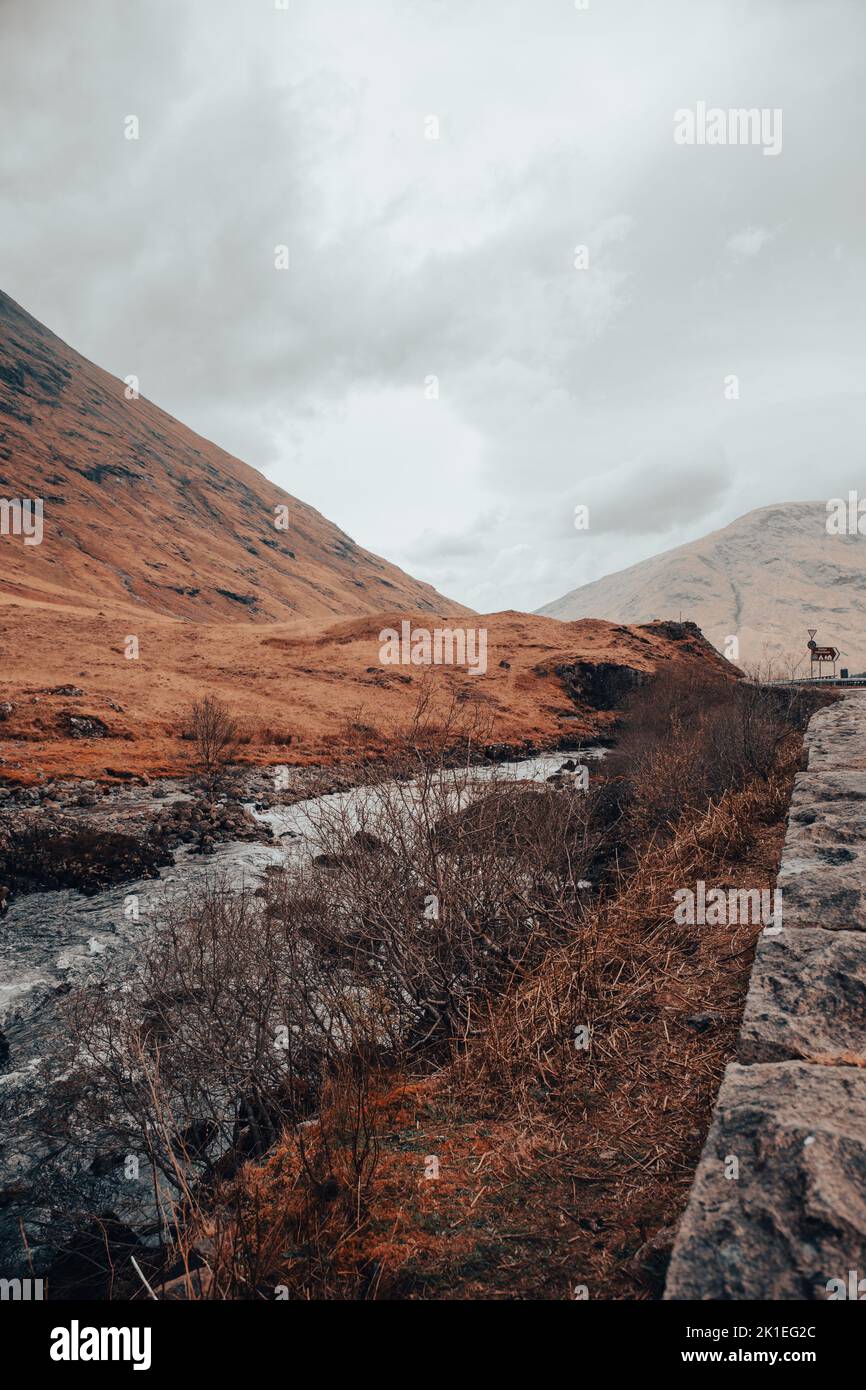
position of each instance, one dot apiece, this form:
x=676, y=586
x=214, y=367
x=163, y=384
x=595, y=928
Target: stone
x=79, y=726
x=795, y=1217
x=792, y=1110
x=369, y=844
x=824, y=887
x=651, y=1260
x=820, y=787
x=810, y=828
x=807, y=999
x=702, y=1022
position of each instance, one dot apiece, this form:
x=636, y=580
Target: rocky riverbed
x=56, y=938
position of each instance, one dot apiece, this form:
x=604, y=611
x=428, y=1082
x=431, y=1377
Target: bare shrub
x=284, y=1228
x=686, y=743
x=449, y=918
x=216, y=737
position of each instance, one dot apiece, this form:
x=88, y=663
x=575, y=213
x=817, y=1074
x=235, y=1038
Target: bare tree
x=215, y=735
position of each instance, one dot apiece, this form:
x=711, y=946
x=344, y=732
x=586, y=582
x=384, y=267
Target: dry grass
x=507, y=1101
x=557, y=1168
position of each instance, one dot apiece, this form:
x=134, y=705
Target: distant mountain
x=140, y=509
x=765, y=579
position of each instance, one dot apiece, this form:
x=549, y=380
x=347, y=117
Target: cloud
x=413, y=258
x=749, y=241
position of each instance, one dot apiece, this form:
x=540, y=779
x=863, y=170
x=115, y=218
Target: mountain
x=138, y=508
x=151, y=532
x=765, y=579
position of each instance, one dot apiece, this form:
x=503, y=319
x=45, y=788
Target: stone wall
x=790, y=1120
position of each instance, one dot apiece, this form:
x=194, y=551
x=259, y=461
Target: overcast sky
x=412, y=258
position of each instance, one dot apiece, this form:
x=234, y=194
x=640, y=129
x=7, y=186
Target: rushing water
x=51, y=940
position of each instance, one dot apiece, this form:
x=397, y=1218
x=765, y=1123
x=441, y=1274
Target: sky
x=439, y=369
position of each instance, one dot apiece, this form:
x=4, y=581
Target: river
x=51, y=941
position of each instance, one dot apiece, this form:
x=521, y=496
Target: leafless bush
x=279, y=1229
x=216, y=736
x=449, y=915
x=686, y=743
x=429, y=897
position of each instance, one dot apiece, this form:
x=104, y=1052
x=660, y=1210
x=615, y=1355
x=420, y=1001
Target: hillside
x=304, y=693
x=139, y=509
x=766, y=578
x=152, y=532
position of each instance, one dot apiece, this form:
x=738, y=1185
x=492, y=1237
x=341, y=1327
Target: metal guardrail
x=819, y=680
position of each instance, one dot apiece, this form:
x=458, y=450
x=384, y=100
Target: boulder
x=81, y=726
x=370, y=844
x=794, y=1217
x=824, y=886
x=807, y=999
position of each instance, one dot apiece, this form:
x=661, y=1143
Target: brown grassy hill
x=321, y=686
x=152, y=532
x=140, y=509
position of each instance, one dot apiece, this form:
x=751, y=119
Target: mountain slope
x=765, y=579
x=305, y=693
x=150, y=531
x=140, y=509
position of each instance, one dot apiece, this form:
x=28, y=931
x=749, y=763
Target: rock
x=79, y=726
x=650, y=1262
x=370, y=844
x=4, y=1049
x=6, y=708
x=824, y=856
x=824, y=887
x=327, y=861
x=702, y=1022
x=807, y=999
x=103, y=1164
x=795, y=1217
